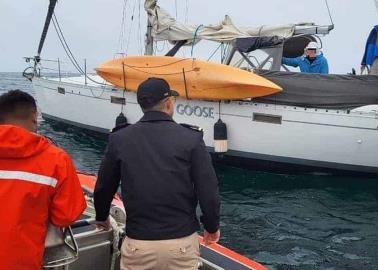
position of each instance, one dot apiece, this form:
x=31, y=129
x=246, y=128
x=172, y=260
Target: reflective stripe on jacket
x=38, y=185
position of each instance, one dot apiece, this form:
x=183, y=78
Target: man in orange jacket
x=38, y=185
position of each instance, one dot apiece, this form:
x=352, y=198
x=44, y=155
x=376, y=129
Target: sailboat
x=316, y=123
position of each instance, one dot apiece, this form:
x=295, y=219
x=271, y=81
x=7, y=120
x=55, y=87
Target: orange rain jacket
x=38, y=184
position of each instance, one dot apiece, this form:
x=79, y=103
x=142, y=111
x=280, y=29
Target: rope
x=165, y=65
x=329, y=12
x=224, y=52
x=64, y=44
x=122, y=28
x=176, y=8
x=162, y=48
x=157, y=74
x=194, y=38
x=131, y=27
x=186, y=11
x=68, y=50
x=72, y=57
x=216, y=50
x=124, y=84
x=186, y=87
x=139, y=34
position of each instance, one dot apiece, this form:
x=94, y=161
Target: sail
x=165, y=27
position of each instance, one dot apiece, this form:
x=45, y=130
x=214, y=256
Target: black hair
x=16, y=103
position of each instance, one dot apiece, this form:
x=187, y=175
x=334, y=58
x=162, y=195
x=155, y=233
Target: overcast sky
x=92, y=27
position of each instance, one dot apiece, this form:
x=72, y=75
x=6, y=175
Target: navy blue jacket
x=319, y=65
x=371, y=48
x=164, y=170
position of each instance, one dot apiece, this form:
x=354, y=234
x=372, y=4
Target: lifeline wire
x=69, y=52
x=216, y=50
x=186, y=11
x=194, y=38
x=124, y=85
x=131, y=26
x=329, y=12
x=64, y=44
x=157, y=74
x=176, y=8
x=122, y=30
x=139, y=34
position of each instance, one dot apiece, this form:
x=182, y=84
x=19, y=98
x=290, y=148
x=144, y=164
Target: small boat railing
x=51, y=68
x=61, y=248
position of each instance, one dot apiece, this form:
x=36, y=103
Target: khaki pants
x=181, y=253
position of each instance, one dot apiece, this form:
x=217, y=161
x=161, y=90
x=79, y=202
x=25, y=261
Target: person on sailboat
x=313, y=60
x=164, y=171
x=370, y=58
x=38, y=185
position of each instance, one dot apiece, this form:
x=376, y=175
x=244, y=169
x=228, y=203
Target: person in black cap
x=164, y=170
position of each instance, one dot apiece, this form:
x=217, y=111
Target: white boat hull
x=334, y=139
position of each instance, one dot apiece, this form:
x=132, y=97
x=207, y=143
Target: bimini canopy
x=321, y=91
x=165, y=27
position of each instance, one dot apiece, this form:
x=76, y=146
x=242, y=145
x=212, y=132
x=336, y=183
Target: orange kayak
x=193, y=79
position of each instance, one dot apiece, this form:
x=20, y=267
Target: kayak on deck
x=192, y=78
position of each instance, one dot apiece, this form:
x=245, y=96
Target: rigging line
x=159, y=66
x=157, y=49
x=73, y=61
x=131, y=27
x=139, y=34
x=376, y=4
x=176, y=8
x=194, y=39
x=122, y=29
x=215, y=51
x=64, y=47
x=158, y=74
x=329, y=12
x=224, y=52
x=186, y=11
x=68, y=50
x=124, y=85
x=70, y=54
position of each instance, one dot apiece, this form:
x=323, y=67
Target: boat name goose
x=186, y=109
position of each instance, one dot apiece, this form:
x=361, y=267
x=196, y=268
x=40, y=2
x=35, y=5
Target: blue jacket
x=320, y=65
x=371, y=48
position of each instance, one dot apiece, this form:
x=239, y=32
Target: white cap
x=312, y=45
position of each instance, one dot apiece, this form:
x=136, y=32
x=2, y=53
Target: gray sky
x=92, y=27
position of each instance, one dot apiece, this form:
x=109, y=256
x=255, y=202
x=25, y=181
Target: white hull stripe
x=30, y=177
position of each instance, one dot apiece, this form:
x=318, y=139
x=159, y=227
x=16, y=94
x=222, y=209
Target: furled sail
x=165, y=27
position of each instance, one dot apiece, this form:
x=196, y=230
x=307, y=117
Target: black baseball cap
x=153, y=90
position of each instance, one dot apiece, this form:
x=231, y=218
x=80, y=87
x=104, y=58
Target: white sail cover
x=165, y=27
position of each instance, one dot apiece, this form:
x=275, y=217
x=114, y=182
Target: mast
x=50, y=12
x=149, y=50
